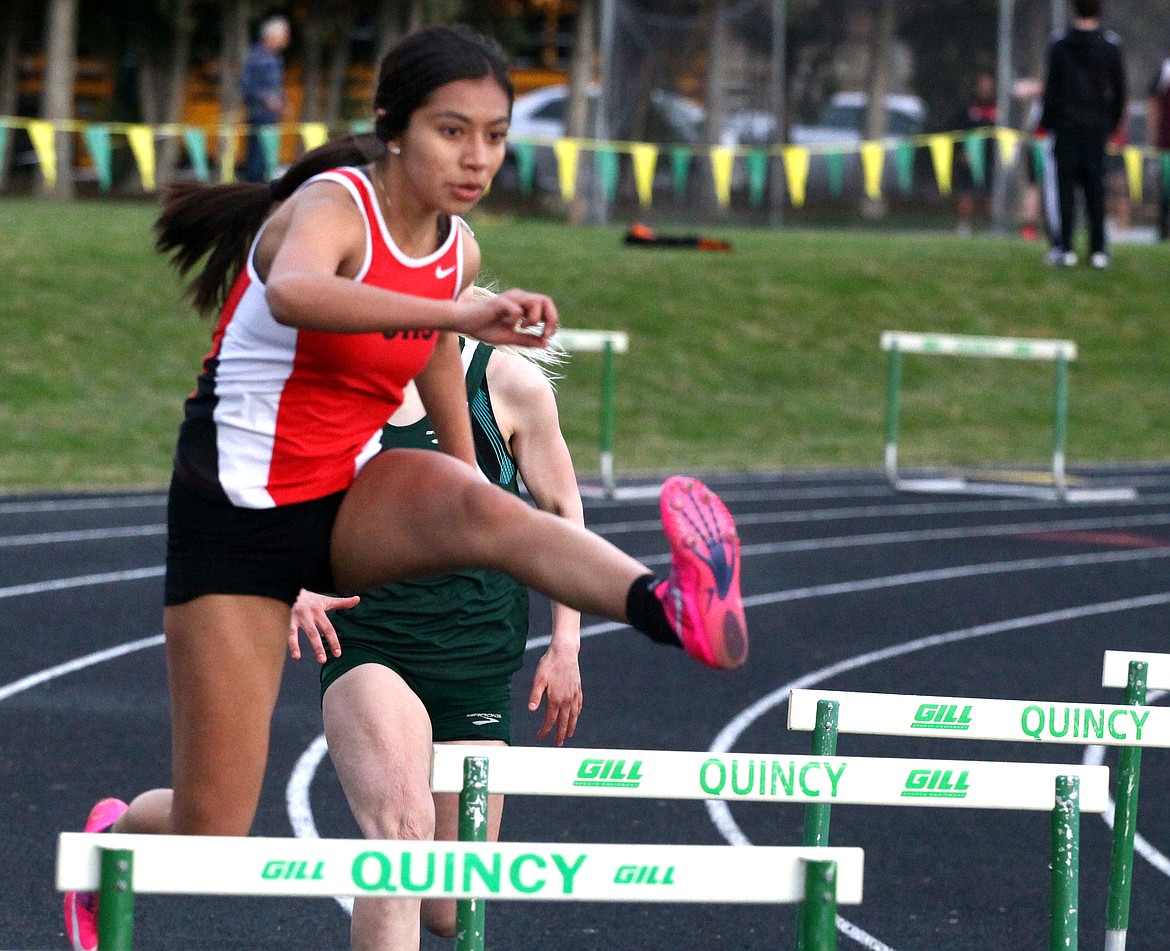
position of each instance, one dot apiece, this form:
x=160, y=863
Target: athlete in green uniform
x=432, y=660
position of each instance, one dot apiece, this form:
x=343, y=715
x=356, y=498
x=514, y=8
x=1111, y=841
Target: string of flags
x=796, y=160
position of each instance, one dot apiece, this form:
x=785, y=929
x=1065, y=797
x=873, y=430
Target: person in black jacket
x=1084, y=103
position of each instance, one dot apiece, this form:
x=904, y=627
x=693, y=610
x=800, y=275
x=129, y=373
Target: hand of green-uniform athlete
x=558, y=680
x=308, y=615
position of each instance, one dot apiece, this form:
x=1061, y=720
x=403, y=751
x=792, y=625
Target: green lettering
x=834, y=777
x=1093, y=725
x=1113, y=719
x=1140, y=722
x=1038, y=729
x=713, y=789
x=381, y=882
x=568, y=872
x=407, y=862
x=514, y=873
x=751, y=777
x=808, y=790
x=473, y=864
x=788, y=782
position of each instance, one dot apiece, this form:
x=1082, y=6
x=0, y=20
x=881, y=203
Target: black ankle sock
x=645, y=612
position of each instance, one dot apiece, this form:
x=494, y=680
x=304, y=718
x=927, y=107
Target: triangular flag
x=1165, y=172
x=904, y=160
x=525, y=166
x=1009, y=146
x=796, y=173
x=873, y=156
x=645, y=159
x=976, y=158
x=568, y=152
x=680, y=164
x=607, y=170
x=269, y=136
x=757, y=166
x=835, y=170
x=196, y=142
x=1133, y=170
x=722, y=160
x=3, y=149
x=141, y=138
x=314, y=134
x=97, y=141
x=229, y=149
x=942, y=154
x=42, y=136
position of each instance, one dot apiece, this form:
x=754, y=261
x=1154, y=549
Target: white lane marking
x=719, y=811
x=82, y=505
x=81, y=535
x=883, y=511
x=78, y=663
x=81, y=581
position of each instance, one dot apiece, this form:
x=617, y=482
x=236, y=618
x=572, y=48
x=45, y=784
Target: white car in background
x=542, y=114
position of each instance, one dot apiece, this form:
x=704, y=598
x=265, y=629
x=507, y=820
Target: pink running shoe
x=701, y=596
x=81, y=907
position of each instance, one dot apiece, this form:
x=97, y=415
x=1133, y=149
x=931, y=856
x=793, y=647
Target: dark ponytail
x=216, y=224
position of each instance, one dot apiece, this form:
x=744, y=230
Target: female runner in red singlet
x=337, y=284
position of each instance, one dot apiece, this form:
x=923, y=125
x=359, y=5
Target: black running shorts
x=214, y=547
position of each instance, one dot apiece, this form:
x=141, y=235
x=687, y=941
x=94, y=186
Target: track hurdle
x=1066, y=790
x=1061, y=352
x=817, y=780
x=119, y=866
x=1136, y=672
x=607, y=343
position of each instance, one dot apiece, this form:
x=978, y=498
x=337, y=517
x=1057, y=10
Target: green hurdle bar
x=607, y=343
x=820, y=780
x=1061, y=352
x=1063, y=789
x=1135, y=672
x=553, y=871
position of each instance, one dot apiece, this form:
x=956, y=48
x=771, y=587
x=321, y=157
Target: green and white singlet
x=465, y=625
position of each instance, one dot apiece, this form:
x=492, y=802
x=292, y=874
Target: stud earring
x=395, y=150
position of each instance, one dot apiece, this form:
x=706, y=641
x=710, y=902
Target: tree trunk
x=183, y=26
x=312, y=50
x=9, y=57
x=878, y=85
x=338, y=68
x=233, y=46
x=388, y=25
x=416, y=17
x=59, y=77
x=716, y=88
x=580, y=76
x=581, y=70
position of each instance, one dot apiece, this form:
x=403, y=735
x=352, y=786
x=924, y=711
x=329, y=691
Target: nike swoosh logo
x=444, y=272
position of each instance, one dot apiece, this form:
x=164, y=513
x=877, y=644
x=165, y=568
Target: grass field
x=766, y=357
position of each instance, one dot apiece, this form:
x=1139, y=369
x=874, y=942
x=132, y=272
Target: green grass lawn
x=766, y=357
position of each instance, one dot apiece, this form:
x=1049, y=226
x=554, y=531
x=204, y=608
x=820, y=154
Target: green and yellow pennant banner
x=214, y=154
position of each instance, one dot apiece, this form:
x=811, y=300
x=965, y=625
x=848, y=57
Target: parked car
x=842, y=123
x=542, y=114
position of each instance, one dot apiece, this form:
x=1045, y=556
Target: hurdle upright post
x=818, y=910
x=817, y=815
x=1066, y=850
x=470, y=913
x=116, y=905
x=1125, y=809
x=893, y=391
x=1060, y=426
x=608, y=388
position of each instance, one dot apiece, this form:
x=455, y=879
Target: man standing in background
x=262, y=86
x=1159, y=124
x=1084, y=104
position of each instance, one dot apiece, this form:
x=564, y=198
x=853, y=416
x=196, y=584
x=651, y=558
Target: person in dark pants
x=262, y=86
x=973, y=188
x=1084, y=103
x=1159, y=120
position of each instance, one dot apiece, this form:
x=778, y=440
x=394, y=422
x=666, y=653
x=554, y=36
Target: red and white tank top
x=282, y=415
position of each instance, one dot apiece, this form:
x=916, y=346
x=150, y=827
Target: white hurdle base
x=963, y=486
x=205, y=865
